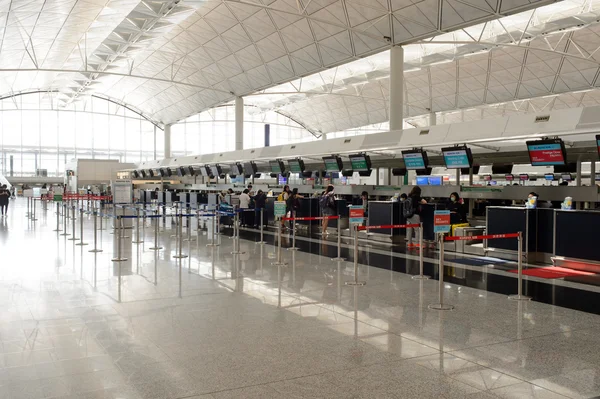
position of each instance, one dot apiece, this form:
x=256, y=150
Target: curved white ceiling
x=171, y=59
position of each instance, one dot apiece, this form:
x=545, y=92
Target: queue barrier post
x=65, y=214
x=73, y=224
x=339, y=242
x=95, y=234
x=279, y=259
x=294, y=222
x=28, y=214
x=156, y=223
x=57, y=229
x=81, y=243
x=262, y=240
x=119, y=237
x=236, y=234
x=420, y=276
x=138, y=239
x=356, y=282
x=441, y=305
x=33, y=219
x=180, y=255
x=519, y=296
x=212, y=228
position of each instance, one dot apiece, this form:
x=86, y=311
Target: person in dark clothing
x=293, y=205
x=260, y=201
x=4, y=199
x=413, y=201
x=457, y=210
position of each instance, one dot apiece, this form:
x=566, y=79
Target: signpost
x=357, y=214
x=441, y=222
x=279, y=209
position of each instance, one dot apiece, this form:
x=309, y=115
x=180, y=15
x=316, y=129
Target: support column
x=323, y=136
x=154, y=142
x=239, y=123
x=396, y=109
x=167, y=141
x=432, y=119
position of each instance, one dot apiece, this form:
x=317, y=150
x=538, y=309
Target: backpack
x=323, y=201
x=408, y=210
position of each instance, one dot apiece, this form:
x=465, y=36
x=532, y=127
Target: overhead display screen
x=333, y=164
x=457, y=157
x=360, y=162
x=415, y=159
x=547, y=152
x=509, y=177
x=215, y=170
x=276, y=166
x=296, y=165
x=250, y=168
x=524, y=177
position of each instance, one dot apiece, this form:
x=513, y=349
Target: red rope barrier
x=312, y=218
x=482, y=237
x=389, y=226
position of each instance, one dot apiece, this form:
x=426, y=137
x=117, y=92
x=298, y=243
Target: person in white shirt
x=244, y=204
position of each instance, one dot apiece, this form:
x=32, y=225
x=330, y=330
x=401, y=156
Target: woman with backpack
x=412, y=212
x=327, y=204
x=284, y=196
x=293, y=204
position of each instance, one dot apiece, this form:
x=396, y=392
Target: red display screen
x=546, y=152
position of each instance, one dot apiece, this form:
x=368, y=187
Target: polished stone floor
x=218, y=325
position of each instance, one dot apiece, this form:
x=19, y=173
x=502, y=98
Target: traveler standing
x=244, y=205
x=412, y=212
x=292, y=205
x=327, y=204
x=260, y=201
x=4, y=198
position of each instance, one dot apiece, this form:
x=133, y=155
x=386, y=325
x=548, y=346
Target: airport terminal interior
x=210, y=199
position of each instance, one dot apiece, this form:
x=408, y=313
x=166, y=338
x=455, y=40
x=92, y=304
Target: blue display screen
x=456, y=159
x=422, y=181
x=549, y=177
x=414, y=161
x=435, y=180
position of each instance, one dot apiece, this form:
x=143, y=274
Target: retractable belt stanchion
x=57, y=218
x=520, y=296
x=33, y=219
x=262, y=240
x=356, y=282
x=441, y=305
x=119, y=237
x=236, y=234
x=188, y=224
x=420, y=276
x=28, y=214
x=156, y=223
x=279, y=260
x=81, y=243
x=212, y=228
x=179, y=255
x=339, y=242
x=294, y=222
x=138, y=240
x=65, y=213
x=95, y=211
x=73, y=224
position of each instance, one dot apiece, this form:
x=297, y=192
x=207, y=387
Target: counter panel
x=577, y=234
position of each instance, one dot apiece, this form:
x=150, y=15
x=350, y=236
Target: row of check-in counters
x=546, y=232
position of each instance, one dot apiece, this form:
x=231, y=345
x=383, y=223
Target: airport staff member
x=457, y=210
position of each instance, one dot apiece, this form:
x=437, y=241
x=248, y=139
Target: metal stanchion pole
x=73, y=225
x=212, y=228
x=28, y=212
x=156, y=223
x=57, y=217
x=119, y=237
x=180, y=239
x=294, y=223
x=95, y=233
x=279, y=260
x=236, y=234
x=262, y=241
x=339, y=242
x=356, y=282
x=137, y=227
x=81, y=243
x=65, y=213
x=33, y=216
x=520, y=296
x=420, y=276
x=441, y=305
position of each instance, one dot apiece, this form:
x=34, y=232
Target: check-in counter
x=577, y=234
x=506, y=219
x=385, y=213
